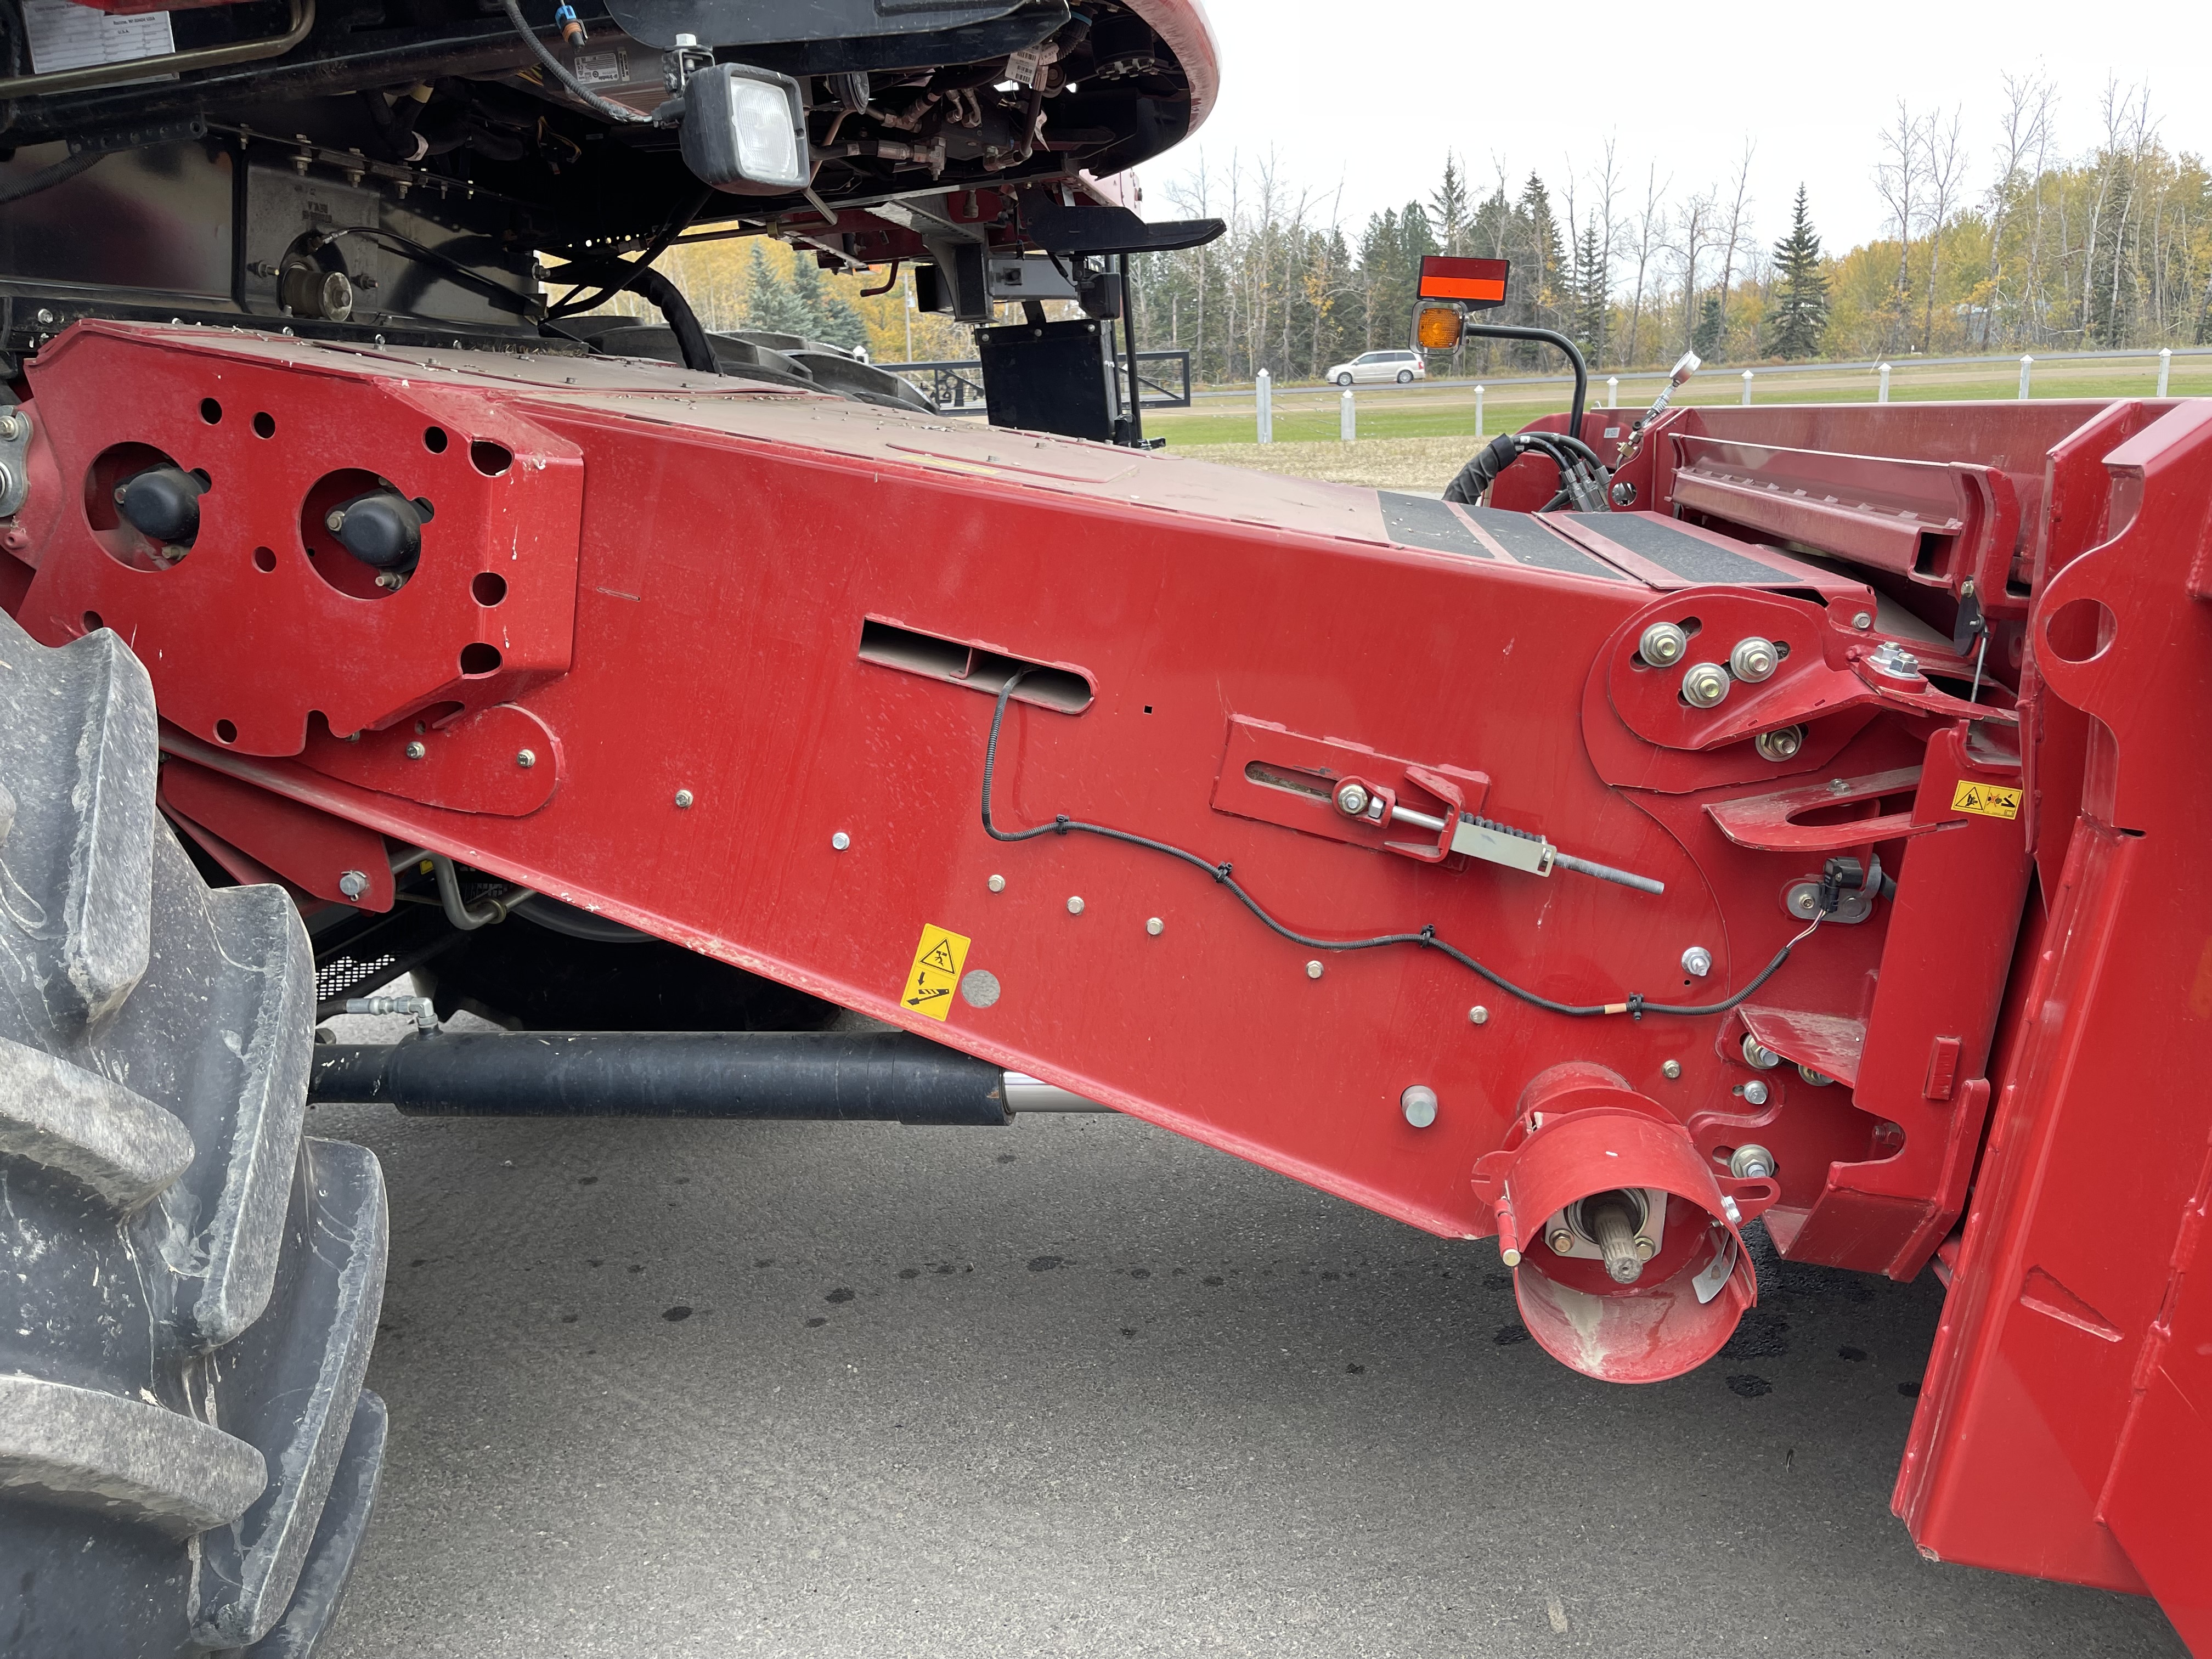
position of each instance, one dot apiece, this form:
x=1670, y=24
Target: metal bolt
x=1671, y=1070
x=10, y=424
x=1419, y=1105
x=353, y=883
x=1892, y=661
x=1755, y=1091
x=525, y=758
x=334, y=521
x=1155, y=926
x=1751, y=1163
x=1624, y=494
x=1645, y=1248
x=1863, y=620
x=1818, y=1079
x=45, y=316
x=1563, y=1243
x=1757, y=1053
x=997, y=883
x=1663, y=645
x=416, y=752
x=683, y=798
x=1729, y=1209
x=1705, y=685
x=1313, y=970
x=1697, y=962
x=1074, y=906
x=839, y=842
x=1478, y=1015
x=1753, y=658
x=1780, y=745
x=1351, y=801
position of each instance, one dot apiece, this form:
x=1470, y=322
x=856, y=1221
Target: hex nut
x=839, y=842
x=1751, y=1163
x=683, y=798
x=1313, y=970
x=1818, y=1079
x=997, y=883
x=1562, y=1243
x=1351, y=801
x=1662, y=644
x=1863, y=620
x=1671, y=1070
x=1755, y=1091
x=1781, y=743
x=1754, y=659
x=1478, y=1015
x=1705, y=685
x=416, y=752
x=1756, y=1053
x=1697, y=962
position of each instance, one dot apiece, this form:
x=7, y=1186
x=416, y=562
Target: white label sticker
x=67, y=36
x=1707, y=1284
x=602, y=69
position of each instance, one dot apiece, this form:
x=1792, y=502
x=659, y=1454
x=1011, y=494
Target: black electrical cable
x=677, y=224
x=14, y=189
x=1426, y=938
x=663, y=295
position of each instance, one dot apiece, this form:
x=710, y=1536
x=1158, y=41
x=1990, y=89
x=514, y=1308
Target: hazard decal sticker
x=1987, y=799
x=936, y=972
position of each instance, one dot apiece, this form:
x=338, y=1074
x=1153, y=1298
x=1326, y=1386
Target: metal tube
x=1028, y=1094
x=302, y=19
x=851, y=1076
x=1545, y=337
x=470, y=917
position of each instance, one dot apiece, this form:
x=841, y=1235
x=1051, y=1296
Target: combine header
x=1738, y=817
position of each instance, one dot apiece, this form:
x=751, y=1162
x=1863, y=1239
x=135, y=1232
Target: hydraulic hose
x=658, y=292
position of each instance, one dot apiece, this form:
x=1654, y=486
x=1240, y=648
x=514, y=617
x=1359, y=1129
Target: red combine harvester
x=1741, y=815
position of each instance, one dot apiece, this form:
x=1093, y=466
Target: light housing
x=1477, y=284
x=1437, y=328
x=744, y=130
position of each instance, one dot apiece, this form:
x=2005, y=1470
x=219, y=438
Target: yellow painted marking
x=936, y=972
x=1986, y=799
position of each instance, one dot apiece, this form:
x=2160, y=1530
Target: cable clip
x=1636, y=1004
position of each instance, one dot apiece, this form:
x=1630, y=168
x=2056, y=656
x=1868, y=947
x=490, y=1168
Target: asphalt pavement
x=1080, y=1386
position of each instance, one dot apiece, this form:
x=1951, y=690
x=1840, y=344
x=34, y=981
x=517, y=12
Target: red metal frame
x=686, y=567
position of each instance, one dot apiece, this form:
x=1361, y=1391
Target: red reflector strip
x=1447, y=278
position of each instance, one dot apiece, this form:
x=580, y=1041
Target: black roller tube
x=849, y=1076
x=1546, y=337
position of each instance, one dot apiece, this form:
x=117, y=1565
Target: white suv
x=1400, y=365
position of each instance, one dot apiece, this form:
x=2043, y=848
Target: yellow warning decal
x=936, y=972
x=1986, y=799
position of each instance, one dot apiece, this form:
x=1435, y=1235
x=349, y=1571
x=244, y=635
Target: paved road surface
x=1078, y=1387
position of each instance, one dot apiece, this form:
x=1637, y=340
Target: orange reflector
x=1436, y=327
x=1477, y=282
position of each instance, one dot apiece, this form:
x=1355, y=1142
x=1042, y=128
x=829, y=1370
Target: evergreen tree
x=772, y=306
x=1801, y=289
x=1450, y=215
x=1543, y=264
x=1593, y=285
x=1705, y=338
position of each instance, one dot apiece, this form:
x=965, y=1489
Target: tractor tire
x=187, y=1456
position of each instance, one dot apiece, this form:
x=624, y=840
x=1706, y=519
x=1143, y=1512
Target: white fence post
x=1882, y=392
x=1746, y=388
x=1347, y=422
x=2164, y=368
x=1267, y=395
x=2026, y=364
x=1478, y=411
x=1613, y=391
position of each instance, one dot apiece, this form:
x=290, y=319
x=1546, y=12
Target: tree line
x=2009, y=244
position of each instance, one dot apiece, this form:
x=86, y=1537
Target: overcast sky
x=1369, y=95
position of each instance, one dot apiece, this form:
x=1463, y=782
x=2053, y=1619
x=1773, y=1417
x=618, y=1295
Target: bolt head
x=1313, y=970
x=1818, y=1079
x=1419, y=1105
x=353, y=883
x=1705, y=685
x=1155, y=926
x=1757, y=1053
x=1751, y=1163
x=1863, y=620
x=1074, y=905
x=416, y=752
x=841, y=841
x=1478, y=1015
x=683, y=798
x=10, y=424
x=1351, y=801
x=525, y=758
x=1562, y=1243
x=997, y=883
x=1663, y=645
x=334, y=521
x=1671, y=1070
x=1645, y=1250
x=1697, y=962
x=1755, y=1091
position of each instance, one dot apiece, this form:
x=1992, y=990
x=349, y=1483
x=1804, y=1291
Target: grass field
x=1427, y=412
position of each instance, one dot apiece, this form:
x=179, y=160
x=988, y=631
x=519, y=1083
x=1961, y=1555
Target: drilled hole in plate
x=264, y=424
x=434, y=440
x=225, y=731
x=210, y=411
x=479, y=658
x=2080, y=630
x=92, y=621
x=488, y=588
x=489, y=459
x=264, y=558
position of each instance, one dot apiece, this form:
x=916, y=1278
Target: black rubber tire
x=1344, y=380
x=187, y=1457
x=1405, y=377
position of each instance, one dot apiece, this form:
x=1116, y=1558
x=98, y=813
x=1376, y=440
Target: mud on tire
x=190, y=1287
